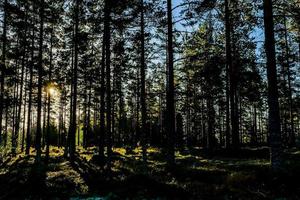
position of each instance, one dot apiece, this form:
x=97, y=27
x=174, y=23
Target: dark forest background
x=89, y=82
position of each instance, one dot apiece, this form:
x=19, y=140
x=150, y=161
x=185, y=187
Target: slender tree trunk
x=49, y=98
x=228, y=67
x=78, y=126
x=143, y=85
x=211, y=123
x=74, y=107
x=254, y=128
x=6, y=128
x=274, y=119
x=85, y=105
x=137, y=112
x=102, y=100
x=292, y=141
x=15, y=108
x=24, y=121
x=3, y=66
x=44, y=129
x=89, y=111
x=20, y=99
x=68, y=138
x=170, y=88
x=28, y=134
x=234, y=97
x=232, y=75
x=40, y=85
x=107, y=19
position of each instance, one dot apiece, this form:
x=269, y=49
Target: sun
x=52, y=90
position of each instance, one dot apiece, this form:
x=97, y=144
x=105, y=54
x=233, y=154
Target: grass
x=196, y=175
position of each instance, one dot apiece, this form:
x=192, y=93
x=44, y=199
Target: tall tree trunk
x=85, y=105
x=3, y=66
x=28, y=134
x=75, y=69
x=292, y=141
x=102, y=100
x=211, y=123
x=6, y=128
x=143, y=85
x=274, y=119
x=228, y=67
x=49, y=97
x=254, y=126
x=107, y=19
x=78, y=126
x=68, y=135
x=15, y=107
x=89, y=111
x=232, y=75
x=170, y=89
x=44, y=129
x=20, y=99
x=40, y=85
x=24, y=121
x=234, y=97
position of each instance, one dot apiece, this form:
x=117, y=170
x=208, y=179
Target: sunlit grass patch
x=86, y=157
x=121, y=151
x=137, y=150
x=153, y=150
x=208, y=168
x=56, y=151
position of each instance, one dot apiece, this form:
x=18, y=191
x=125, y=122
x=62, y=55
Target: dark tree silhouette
x=274, y=119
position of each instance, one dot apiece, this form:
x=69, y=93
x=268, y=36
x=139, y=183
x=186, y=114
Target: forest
x=149, y=99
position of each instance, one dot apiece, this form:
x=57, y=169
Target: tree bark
x=20, y=99
x=107, y=29
x=143, y=85
x=72, y=136
x=170, y=89
x=274, y=119
x=292, y=141
x=49, y=98
x=3, y=66
x=40, y=85
x=102, y=100
x=228, y=67
x=28, y=132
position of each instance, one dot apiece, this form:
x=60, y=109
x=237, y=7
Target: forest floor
x=197, y=175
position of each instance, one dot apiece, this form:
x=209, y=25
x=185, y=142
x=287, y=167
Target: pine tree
x=274, y=119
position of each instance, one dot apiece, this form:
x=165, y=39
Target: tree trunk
x=72, y=136
x=107, y=29
x=40, y=85
x=143, y=87
x=20, y=99
x=28, y=134
x=3, y=66
x=15, y=107
x=102, y=100
x=170, y=89
x=274, y=119
x=211, y=123
x=49, y=99
x=24, y=114
x=292, y=141
x=67, y=143
x=228, y=67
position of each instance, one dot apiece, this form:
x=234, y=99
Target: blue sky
x=257, y=33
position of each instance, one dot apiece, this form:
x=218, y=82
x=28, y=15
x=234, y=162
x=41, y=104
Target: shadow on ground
x=197, y=175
